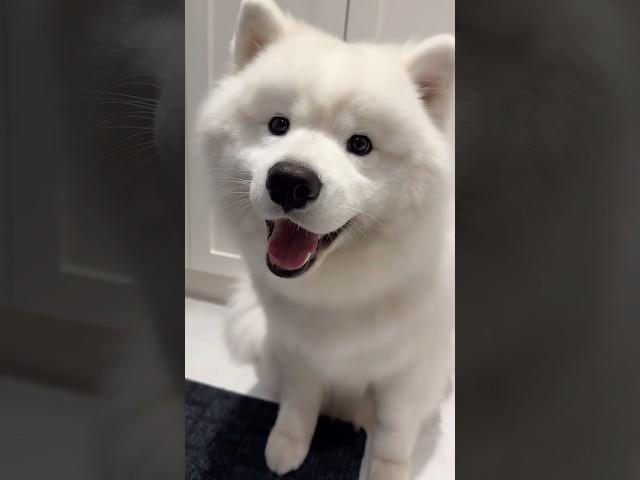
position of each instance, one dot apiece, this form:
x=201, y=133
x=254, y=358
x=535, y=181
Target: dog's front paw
x=284, y=453
x=384, y=470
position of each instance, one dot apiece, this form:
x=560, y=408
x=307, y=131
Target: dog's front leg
x=290, y=438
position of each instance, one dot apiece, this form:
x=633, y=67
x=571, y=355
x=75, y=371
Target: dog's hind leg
x=245, y=330
x=401, y=405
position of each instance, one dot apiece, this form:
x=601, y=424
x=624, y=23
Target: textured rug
x=226, y=434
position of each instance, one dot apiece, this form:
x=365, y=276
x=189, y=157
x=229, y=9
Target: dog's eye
x=359, y=145
x=278, y=125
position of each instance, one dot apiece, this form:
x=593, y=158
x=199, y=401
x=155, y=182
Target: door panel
x=96, y=128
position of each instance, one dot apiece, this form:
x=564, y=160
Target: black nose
x=292, y=185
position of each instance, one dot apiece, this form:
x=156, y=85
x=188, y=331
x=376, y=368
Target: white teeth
x=308, y=257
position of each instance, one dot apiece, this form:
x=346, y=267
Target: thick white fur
x=373, y=318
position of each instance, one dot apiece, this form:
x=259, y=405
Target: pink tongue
x=290, y=246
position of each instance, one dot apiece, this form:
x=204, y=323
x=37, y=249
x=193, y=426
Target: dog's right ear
x=260, y=23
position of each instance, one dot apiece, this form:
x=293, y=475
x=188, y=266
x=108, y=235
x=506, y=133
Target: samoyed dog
x=333, y=175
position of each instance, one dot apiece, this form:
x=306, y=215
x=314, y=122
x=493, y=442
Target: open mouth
x=292, y=250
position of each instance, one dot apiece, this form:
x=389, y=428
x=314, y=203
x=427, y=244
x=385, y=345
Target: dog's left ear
x=260, y=23
x=431, y=64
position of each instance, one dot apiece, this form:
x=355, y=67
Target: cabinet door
x=65, y=260
x=94, y=211
x=209, y=27
x=4, y=172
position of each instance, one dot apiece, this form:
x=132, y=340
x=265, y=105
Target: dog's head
x=321, y=146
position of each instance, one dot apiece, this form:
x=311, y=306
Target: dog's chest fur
x=365, y=343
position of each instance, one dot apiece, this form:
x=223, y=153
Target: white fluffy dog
x=335, y=179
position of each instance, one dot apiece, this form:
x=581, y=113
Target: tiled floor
x=207, y=361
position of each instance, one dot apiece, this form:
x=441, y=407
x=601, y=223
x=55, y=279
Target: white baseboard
x=207, y=286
